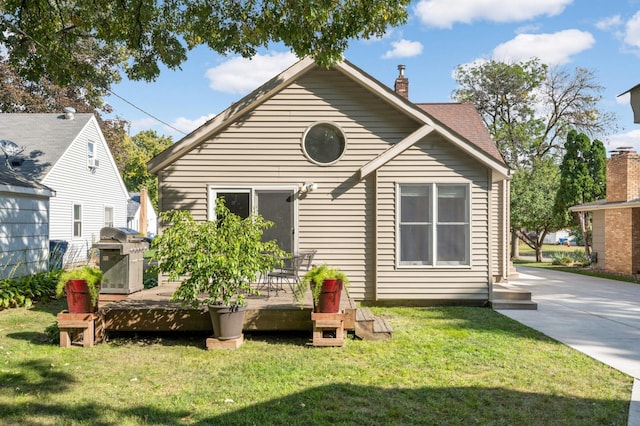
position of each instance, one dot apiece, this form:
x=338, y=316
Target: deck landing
x=152, y=310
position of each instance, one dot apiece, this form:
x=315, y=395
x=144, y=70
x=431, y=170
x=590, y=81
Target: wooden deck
x=152, y=310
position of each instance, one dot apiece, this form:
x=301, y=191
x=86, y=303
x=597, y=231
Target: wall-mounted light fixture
x=308, y=187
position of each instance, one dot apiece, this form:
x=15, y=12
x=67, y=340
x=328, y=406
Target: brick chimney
x=401, y=86
x=623, y=175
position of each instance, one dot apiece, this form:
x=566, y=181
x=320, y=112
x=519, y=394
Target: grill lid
x=123, y=235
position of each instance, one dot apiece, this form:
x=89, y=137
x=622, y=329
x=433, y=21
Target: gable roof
x=133, y=204
x=467, y=136
x=464, y=120
x=45, y=138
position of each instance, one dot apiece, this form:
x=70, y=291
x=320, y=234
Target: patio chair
x=291, y=272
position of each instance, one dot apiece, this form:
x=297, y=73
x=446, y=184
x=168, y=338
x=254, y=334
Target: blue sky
x=601, y=35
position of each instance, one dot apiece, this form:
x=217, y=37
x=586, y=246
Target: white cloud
x=177, y=129
x=444, y=13
x=187, y=125
x=631, y=139
x=632, y=36
x=136, y=126
x=404, y=49
x=624, y=99
x=240, y=75
x=551, y=49
x=609, y=23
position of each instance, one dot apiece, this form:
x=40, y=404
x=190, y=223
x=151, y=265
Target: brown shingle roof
x=464, y=120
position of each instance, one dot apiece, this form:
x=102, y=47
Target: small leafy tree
x=218, y=258
x=139, y=149
x=583, y=175
x=533, y=191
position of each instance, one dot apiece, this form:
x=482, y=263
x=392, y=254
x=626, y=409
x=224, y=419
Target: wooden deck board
x=152, y=310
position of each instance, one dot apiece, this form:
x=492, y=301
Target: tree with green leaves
x=533, y=190
x=505, y=96
x=139, y=149
x=583, y=175
x=529, y=108
x=88, y=43
x=19, y=95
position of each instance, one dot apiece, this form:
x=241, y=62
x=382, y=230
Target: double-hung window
x=77, y=220
x=433, y=225
x=108, y=216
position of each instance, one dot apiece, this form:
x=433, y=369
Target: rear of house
x=382, y=188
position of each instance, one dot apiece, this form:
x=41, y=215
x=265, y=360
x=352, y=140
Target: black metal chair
x=291, y=272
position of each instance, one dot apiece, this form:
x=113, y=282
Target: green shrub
x=580, y=257
x=561, y=258
x=23, y=291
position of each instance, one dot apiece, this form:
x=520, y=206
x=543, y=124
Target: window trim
x=213, y=189
x=74, y=221
x=113, y=215
x=434, y=226
x=304, y=147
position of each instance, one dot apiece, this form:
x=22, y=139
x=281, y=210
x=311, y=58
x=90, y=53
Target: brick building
x=616, y=219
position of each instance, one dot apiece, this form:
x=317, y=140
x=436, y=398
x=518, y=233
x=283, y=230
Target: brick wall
x=635, y=241
x=618, y=240
x=623, y=177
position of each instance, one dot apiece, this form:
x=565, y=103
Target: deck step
x=514, y=304
x=368, y=327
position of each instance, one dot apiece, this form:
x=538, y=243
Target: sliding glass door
x=276, y=205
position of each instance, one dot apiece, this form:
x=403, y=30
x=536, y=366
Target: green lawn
x=548, y=250
x=444, y=366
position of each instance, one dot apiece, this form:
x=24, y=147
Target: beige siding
x=263, y=148
x=433, y=160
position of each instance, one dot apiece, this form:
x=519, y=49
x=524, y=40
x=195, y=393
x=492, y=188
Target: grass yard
x=444, y=366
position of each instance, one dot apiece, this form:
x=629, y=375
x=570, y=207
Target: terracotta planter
x=78, y=297
x=329, y=300
x=227, y=321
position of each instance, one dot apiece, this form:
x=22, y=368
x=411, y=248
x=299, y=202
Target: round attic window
x=324, y=143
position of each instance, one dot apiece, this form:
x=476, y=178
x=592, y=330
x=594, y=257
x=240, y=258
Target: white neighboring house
x=136, y=210
x=24, y=224
x=68, y=153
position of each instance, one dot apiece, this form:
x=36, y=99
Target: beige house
x=616, y=219
x=410, y=200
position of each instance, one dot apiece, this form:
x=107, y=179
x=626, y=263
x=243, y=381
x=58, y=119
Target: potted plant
x=326, y=284
x=82, y=287
x=217, y=261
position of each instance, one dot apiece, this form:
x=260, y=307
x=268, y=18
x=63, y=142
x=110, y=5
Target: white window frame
x=92, y=152
x=434, y=227
x=213, y=191
x=113, y=212
x=74, y=221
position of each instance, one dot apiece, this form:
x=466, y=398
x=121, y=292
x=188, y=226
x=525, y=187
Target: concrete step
x=511, y=294
x=368, y=327
x=513, y=304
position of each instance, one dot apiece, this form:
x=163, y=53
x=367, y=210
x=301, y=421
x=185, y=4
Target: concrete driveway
x=598, y=317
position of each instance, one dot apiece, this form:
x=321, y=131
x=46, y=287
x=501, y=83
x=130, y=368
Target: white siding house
x=68, y=153
x=24, y=225
x=410, y=200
